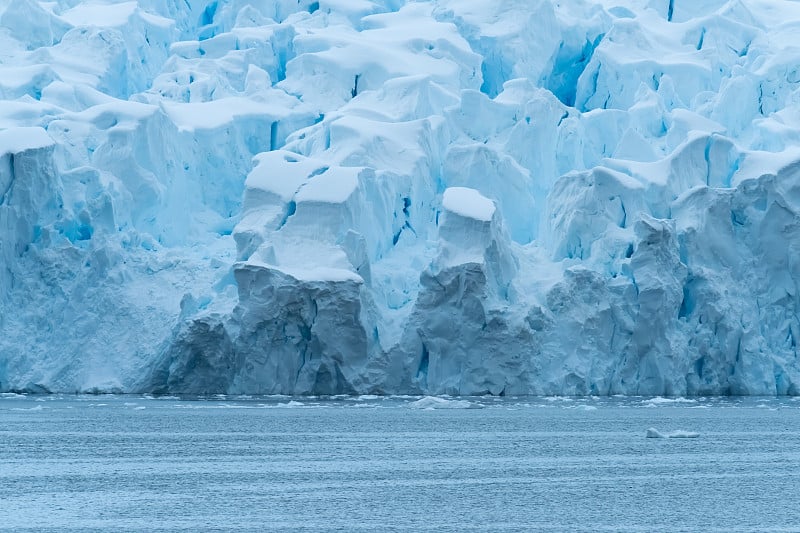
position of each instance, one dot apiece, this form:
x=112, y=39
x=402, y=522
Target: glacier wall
x=394, y=196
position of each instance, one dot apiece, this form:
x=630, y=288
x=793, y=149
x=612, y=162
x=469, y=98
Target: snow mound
x=468, y=203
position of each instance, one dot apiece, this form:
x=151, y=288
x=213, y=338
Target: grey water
x=133, y=463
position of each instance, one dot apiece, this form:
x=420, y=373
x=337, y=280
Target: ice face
x=434, y=197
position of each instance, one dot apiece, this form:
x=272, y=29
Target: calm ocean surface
x=132, y=463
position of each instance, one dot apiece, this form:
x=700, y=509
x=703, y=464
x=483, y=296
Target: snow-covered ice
x=588, y=197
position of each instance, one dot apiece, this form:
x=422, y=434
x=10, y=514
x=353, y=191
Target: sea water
x=136, y=463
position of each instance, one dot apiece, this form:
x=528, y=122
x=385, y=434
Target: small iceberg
x=659, y=400
x=433, y=402
x=653, y=433
x=37, y=408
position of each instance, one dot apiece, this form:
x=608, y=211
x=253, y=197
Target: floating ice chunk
x=681, y=434
x=653, y=433
x=433, y=402
x=658, y=400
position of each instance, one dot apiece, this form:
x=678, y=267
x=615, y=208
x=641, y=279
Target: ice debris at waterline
x=433, y=402
x=653, y=433
x=432, y=197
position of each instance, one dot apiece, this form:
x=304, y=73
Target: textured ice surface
x=433, y=197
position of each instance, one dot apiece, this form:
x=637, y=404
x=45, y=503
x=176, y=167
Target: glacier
x=464, y=197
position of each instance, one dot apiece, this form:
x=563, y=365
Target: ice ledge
x=468, y=203
x=15, y=140
x=308, y=274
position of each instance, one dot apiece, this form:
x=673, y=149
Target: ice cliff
x=390, y=196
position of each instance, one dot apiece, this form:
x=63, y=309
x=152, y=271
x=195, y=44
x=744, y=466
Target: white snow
x=438, y=197
x=331, y=186
x=219, y=113
x=468, y=203
x=98, y=14
x=14, y=140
